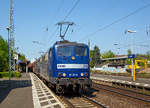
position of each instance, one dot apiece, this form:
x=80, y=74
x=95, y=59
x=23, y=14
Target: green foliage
x=129, y=52
x=3, y=54
x=95, y=56
x=22, y=57
x=108, y=54
x=12, y=74
x=128, y=61
x=92, y=59
x=148, y=55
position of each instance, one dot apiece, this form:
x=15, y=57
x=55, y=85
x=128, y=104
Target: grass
x=138, y=75
x=13, y=74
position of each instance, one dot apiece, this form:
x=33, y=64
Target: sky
x=91, y=17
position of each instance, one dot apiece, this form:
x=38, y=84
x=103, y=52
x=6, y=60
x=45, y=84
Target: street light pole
x=133, y=67
x=116, y=48
x=9, y=52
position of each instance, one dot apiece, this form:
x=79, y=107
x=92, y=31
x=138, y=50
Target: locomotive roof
x=66, y=42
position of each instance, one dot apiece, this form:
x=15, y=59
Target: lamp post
x=133, y=67
x=117, y=48
x=9, y=52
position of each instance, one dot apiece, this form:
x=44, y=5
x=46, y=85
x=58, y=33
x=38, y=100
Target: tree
x=108, y=54
x=129, y=52
x=148, y=55
x=3, y=54
x=95, y=56
x=91, y=58
x=22, y=57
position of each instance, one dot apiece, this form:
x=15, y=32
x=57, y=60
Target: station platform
x=142, y=82
x=27, y=92
x=16, y=93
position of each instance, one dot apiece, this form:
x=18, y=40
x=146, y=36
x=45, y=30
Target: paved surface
x=127, y=80
x=27, y=92
x=17, y=93
x=42, y=95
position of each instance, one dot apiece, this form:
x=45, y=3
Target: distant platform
x=142, y=82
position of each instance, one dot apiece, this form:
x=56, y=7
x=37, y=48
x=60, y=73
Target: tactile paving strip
x=42, y=95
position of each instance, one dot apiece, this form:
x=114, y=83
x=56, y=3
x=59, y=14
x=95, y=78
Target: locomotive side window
x=80, y=51
x=64, y=51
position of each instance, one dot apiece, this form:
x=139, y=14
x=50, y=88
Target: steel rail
x=70, y=105
x=121, y=93
x=123, y=89
x=95, y=102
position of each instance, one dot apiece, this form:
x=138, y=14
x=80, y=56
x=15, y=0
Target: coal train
x=65, y=66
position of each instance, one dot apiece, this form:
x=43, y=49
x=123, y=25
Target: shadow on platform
x=6, y=86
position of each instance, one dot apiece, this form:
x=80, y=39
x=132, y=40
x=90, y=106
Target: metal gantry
x=11, y=38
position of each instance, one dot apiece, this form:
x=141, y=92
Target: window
x=80, y=51
x=64, y=51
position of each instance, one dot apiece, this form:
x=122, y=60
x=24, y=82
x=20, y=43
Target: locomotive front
x=72, y=66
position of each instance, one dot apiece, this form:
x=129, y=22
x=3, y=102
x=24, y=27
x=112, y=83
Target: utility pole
x=148, y=30
x=61, y=26
x=12, y=34
x=89, y=44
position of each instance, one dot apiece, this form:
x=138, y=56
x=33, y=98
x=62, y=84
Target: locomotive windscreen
x=80, y=51
x=64, y=51
x=69, y=50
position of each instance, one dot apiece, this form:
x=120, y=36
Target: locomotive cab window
x=80, y=51
x=64, y=51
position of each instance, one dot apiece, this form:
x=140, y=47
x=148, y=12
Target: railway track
x=72, y=101
x=130, y=94
x=82, y=102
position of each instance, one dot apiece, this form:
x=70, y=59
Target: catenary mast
x=12, y=35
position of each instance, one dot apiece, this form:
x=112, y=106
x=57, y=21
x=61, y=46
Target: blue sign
x=131, y=56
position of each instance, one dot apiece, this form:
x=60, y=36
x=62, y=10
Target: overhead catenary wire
x=60, y=6
x=52, y=35
x=76, y=3
x=116, y=21
x=55, y=17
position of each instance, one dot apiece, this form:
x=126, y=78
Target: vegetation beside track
x=138, y=75
x=13, y=74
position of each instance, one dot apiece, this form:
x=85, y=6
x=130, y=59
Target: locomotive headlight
x=81, y=74
x=64, y=74
x=73, y=58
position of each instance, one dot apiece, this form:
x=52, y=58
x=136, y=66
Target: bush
x=16, y=74
x=12, y=74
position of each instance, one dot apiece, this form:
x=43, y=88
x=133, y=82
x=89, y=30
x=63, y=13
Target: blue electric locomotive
x=66, y=65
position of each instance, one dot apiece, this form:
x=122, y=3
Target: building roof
x=116, y=58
